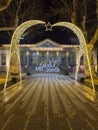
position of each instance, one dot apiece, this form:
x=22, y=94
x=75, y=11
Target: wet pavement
x=49, y=102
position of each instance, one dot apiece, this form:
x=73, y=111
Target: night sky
x=49, y=11
x=59, y=34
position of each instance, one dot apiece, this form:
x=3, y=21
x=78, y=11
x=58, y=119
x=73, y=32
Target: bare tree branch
x=7, y=28
x=95, y=37
x=4, y=4
x=74, y=12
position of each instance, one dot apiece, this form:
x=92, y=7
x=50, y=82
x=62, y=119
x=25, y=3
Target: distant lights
x=21, y=38
x=82, y=67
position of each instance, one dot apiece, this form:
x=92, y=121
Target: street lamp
x=67, y=54
x=27, y=54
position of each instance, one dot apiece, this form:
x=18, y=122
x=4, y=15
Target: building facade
x=45, y=54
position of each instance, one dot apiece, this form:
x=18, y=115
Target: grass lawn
x=95, y=81
x=88, y=83
x=2, y=80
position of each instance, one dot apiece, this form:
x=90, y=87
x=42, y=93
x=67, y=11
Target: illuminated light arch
x=14, y=49
x=19, y=31
x=83, y=48
x=78, y=33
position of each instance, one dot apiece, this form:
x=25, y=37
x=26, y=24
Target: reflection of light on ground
x=95, y=81
x=8, y=94
x=89, y=93
x=90, y=97
x=86, y=91
x=2, y=80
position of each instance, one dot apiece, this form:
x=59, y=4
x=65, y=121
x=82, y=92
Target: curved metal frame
x=14, y=49
x=83, y=47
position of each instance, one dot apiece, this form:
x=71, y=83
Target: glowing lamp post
x=27, y=54
x=67, y=54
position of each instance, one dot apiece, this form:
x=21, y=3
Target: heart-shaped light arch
x=83, y=48
x=14, y=48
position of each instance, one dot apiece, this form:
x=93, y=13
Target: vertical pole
x=7, y=60
x=20, y=73
x=27, y=53
x=77, y=65
x=57, y=53
x=47, y=56
x=0, y=59
x=37, y=56
x=8, y=69
x=67, y=54
x=95, y=60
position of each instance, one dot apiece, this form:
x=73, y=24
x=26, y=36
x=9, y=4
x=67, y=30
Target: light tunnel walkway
x=49, y=102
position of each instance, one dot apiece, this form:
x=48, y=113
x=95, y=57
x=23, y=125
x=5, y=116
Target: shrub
x=28, y=73
x=66, y=72
x=82, y=80
x=14, y=80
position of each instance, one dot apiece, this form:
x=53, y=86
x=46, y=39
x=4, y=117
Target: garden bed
x=89, y=84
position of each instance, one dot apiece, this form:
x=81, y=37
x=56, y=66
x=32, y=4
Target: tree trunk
x=74, y=12
x=7, y=28
x=90, y=47
x=4, y=4
x=91, y=44
x=97, y=8
x=89, y=50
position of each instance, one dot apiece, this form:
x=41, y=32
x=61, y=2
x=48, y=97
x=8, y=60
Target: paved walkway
x=49, y=102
